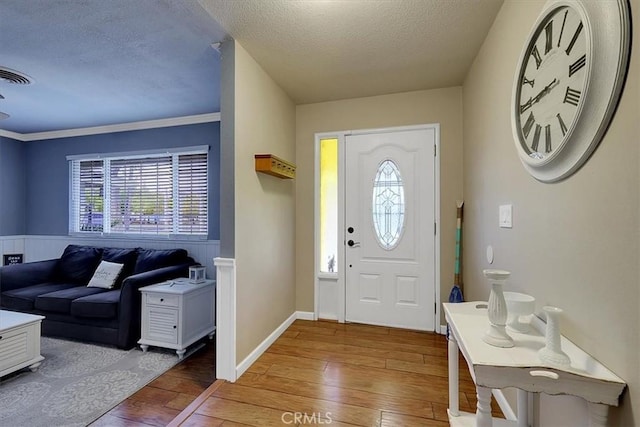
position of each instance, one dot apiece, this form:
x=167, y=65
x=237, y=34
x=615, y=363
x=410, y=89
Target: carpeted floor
x=77, y=383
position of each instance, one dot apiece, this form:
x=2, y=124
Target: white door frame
x=341, y=276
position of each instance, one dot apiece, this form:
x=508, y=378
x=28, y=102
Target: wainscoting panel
x=38, y=248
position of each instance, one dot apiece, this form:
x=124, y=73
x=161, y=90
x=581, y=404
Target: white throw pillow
x=105, y=275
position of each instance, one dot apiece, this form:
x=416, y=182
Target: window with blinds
x=149, y=194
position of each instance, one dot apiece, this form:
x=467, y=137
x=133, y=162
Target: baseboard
x=305, y=315
x=443, y=330
x=264, y=345
x=504, y=405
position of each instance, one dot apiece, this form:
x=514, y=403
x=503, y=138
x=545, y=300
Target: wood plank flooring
x=345, y=374
x=164, y=398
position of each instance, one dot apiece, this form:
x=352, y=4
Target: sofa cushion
x=23, y=299
x=121, y=256
x=106, y=275
x=102, y=305
x=77, y=264
x=152, y=259
x=60, y=301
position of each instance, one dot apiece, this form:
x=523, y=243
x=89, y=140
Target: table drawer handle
x=546, y=374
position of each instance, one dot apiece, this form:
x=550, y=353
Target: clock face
x=551, y=84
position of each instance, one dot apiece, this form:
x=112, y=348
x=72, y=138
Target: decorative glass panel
x=388, y=204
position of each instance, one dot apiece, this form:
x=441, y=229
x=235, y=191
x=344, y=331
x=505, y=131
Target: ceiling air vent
x=13, y=76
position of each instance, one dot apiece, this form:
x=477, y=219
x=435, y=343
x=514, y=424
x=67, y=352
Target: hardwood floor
x=338, y=374
x=164, y=398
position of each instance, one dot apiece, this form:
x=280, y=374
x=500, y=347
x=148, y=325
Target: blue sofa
x=57, y=289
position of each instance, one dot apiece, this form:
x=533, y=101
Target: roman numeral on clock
x=526, y=81
x=547, y=138
x=563, y=127
x=564, y=20
x=528, y=125
x=536, y=55
x=572, y=96
x=574, y=39
x=581, y=62
x=536, y=138
x=548, y=33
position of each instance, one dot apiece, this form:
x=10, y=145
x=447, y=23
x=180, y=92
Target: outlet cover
x=505, y=215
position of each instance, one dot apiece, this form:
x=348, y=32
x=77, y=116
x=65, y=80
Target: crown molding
x=12, y=135
x=123, y=127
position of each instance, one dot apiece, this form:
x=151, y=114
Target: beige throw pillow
x=105, y=275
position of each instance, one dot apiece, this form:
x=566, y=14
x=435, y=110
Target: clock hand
x=524, y=107
x=544, y=91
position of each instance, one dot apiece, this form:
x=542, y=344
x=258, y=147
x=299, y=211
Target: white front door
x=390, y=228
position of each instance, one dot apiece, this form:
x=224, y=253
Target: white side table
x=520, y=367
x=177, y=313
x=19, y=341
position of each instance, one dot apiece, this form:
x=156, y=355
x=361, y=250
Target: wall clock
x=568, y=81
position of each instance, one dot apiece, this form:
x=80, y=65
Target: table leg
x=453, y=376
x=598, y=413
x=523, y=408
x=483, y=409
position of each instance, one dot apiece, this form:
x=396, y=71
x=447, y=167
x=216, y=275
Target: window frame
x=74, y=214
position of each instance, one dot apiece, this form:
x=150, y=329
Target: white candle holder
x=552, y=352
x=518, y=305
x=497, y=335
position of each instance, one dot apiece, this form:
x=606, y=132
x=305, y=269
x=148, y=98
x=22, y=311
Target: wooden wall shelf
x=275, y=166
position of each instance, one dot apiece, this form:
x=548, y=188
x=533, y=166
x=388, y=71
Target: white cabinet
x=19, y=341
x=177, y=313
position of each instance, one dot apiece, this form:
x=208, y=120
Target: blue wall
x=12, y=187
x=47, y=170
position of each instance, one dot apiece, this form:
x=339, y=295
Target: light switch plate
x=505, y=215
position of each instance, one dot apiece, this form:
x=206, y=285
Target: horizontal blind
x=153, y=193
x=88, y=191
x=192, y=194
x=141, y=192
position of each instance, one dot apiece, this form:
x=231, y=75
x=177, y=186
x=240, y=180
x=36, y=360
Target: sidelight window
x=328, y=205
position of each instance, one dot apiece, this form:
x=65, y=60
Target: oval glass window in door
x=388, y=204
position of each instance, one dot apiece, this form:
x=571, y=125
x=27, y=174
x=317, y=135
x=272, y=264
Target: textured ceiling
x=320, y=50
x=97, y=62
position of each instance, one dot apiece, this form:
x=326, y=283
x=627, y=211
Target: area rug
x=77, y=383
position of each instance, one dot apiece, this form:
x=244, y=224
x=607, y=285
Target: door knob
x=351, y=243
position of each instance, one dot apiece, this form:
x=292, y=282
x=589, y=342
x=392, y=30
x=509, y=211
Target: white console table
x=496, y=368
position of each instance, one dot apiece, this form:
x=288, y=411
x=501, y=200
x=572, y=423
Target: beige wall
x=574, y=244
x=264, y=206
x=442, y=106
